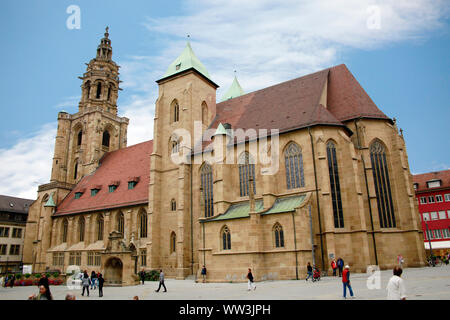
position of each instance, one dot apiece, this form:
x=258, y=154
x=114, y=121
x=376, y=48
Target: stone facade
x=181, y=236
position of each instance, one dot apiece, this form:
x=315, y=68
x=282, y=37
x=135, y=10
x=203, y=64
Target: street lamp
x=429, y=242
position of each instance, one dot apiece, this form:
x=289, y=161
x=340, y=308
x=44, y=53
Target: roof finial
x=106, y=32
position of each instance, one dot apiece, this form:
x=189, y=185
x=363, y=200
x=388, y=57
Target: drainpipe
x=295, y=246
x=367, y=190
x=192, y=226
x=317, y=197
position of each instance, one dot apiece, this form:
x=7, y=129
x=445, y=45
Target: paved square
x=421, y=284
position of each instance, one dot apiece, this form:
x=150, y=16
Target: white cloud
x=265, y=41
x=27, y=164
x=269, y=42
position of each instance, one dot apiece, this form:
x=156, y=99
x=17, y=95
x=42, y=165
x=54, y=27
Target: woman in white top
x=396, y=286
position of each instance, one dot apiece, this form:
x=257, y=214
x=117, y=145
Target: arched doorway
x=113, y=271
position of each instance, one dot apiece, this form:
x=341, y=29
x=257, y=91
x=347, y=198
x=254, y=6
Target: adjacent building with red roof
x=329, y=177
x=433, y=196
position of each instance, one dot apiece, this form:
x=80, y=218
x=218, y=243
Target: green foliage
x=48, y=274
x=18, y=276
x=153, y=275
x=27, y=275
x=37, y=275
x=55, y=274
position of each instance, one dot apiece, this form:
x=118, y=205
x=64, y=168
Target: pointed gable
x=234, y=91
x=289, y=105
x=347, y=99
x=186, y=60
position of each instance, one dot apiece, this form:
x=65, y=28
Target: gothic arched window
x=120, y=223
x=294, y=166
x=226, y=238
x=382, y=185
x=65, y=227
x=105, y=138
x=79, y=138
x=143, y=224
x=99, y=90
x=176, y=112
x=75, y=170
x=88, y=89
x=173, y=242
x=335, y=185
x=109, y=92
x=175, y=147
x=81, y=227
x=100, y=227
x=246, y=168
x=207, y=186
x=278, y=236
x=204, y=113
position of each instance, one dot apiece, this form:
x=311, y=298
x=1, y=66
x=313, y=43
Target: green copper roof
x=186, y=60
x=239, y=210
x=220, y=130
x=50, y=202
x=285, y=204
x=234, y=91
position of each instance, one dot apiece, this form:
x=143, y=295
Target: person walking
x=44, y=294
x=396, y=286
x=340, y=265
x=334, y=267
x=400, y=260
x=100, y=284
x=309, y=271
x=85, y=282
x=11, y=281
x=93, y=280
x=142, y=276
x=204, y=274
x=43, y=281
x=161, y=281
x=251, y=285
x=346, y=281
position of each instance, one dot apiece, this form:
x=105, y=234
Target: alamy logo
x=374, y=277
x=74, y=20
x=225, y=148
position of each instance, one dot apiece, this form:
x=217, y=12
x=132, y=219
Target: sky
x=398, y=51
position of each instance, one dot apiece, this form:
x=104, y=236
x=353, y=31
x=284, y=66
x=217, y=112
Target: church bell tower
x=84, y=137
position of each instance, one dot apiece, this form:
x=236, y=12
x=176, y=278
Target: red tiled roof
x=347, y=99
x=296, y=104
x=119, y=165
x=286, y=106
x=421, y=180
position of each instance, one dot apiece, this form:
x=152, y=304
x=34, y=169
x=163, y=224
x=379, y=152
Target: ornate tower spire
x=101, y=80
x=104, y=49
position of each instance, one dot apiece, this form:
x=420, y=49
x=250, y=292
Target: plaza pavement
x=421, y=284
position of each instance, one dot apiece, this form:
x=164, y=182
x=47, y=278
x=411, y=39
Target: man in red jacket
x=334, y=266
x=346, y=281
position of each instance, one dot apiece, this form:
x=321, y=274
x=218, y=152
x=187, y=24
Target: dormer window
x=416, y=185
x=132, y=182
x=78, y=194
x=94, y=192
x=113, y=186
x=434, y=183
x=131, y=185
x=178, y=66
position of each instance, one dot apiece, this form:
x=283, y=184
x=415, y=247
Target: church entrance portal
x=113, y=271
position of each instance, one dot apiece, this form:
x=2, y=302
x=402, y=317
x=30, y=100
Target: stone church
x=202, y=192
